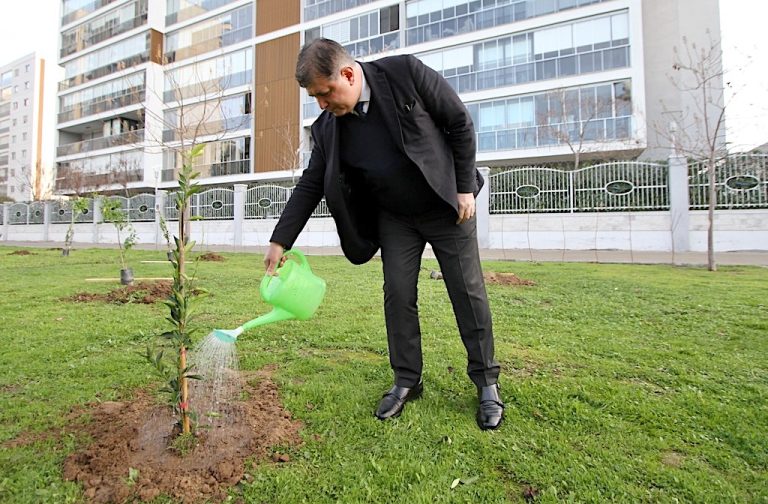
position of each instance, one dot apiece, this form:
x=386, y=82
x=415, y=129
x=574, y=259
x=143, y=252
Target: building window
x=13, y=139
x=24, y=119
x=24, y=154
x=16, y=88
x=221, y=31
x=26, y=67
x=370, y=33
x=13, y=155
x=26, y=85
x=14, y=122
x=24, y=137
x=26, y=102
x=15, y=105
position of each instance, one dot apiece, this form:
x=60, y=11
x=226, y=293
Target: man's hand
x=274, y=257
x=466, y=207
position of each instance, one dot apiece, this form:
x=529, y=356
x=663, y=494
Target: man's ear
x=348, y=73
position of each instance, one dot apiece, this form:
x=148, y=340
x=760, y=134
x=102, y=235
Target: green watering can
x=295, y=293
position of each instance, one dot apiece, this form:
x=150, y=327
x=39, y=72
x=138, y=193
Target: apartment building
x=24, y=169
x=541, y=78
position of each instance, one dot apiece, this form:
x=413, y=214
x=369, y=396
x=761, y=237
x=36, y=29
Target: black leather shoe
x=392, y=403
x=490, y=412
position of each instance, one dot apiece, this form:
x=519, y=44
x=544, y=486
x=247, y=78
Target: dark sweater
x=372, y=161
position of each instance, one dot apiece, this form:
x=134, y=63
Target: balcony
x=90, y=38
x=84, y=11
x=127, y=138
x=220, y=169
x=111, y=68
x=130, y=96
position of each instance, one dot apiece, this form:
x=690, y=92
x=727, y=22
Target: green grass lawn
x=623, y=383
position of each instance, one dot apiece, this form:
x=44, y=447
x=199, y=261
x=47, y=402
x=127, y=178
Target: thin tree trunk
x=711, y=217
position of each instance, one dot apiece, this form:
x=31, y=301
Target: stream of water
x=212, y=397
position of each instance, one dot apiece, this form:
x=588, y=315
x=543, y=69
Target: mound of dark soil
x=211, y=256
x=129, y=458
x=21, y=252
x=493, y=277
x=140, y=292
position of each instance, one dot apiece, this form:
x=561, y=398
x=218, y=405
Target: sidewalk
x=750, y=258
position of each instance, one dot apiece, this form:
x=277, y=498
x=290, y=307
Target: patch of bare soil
x=129, y=458
x=211, y=256
x=140, y=292
x=21, y=252
x=493, y=277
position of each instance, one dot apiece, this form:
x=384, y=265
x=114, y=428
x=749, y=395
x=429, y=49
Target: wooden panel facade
x=276, y=107
x=155, y=47
x=273, y=15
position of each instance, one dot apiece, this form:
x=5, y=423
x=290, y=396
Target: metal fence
x=615, y=186
x=740, y=182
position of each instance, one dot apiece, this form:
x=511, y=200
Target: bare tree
x=698, y=128
x=289, y=156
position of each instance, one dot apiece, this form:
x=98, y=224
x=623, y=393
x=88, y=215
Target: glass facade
x=314, y=9
x=591, y=45
x=436, y=19
x=222, y=31
x=73, y=10
x=224, y=157
x=103, y=27
x=181, y=10
x=113, y=58
x=106, y=96
x=209, y=76
x=594, y=113
x=369, y=33
x=208, y=117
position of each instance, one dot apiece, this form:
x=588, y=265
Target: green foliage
x=623, y=383
x=180, y=304
x=112, y=211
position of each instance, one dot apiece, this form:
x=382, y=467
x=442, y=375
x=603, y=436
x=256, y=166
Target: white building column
x=160, y=197
x=679, y=203
x=239, y=210
x=46, y=220
x=483, y=209
x=6, y=209
x=96, y=218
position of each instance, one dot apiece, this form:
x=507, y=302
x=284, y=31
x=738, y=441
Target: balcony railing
x=97, y=36
x=129, y=137
x=84, y=11
x=220, y=169
x=130, y=97
x=228, y=124
x=117, y=66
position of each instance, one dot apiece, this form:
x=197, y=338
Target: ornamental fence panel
x=216, y=203
x=614, y=186
x=740, y=182
x=61, y=212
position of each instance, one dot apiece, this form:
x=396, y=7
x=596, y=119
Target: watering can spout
x=276, y=315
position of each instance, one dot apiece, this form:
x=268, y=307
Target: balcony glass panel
x=435, y=19
x=73, y=10
x=107, y=96
x=210, y=76
x=222, y=31
x=103, y=27
x=127, y=138
x=181, y=10
x=219, y=158
x=314, y=9
x=124, y=54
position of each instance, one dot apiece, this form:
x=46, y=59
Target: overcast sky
x=32, y=26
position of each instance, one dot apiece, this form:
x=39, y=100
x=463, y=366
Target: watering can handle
x=299, y=255
x=302, y=260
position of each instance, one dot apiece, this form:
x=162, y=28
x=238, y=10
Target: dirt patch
x=129, y=458
x=21, y=252
x=211, y=256
x=493, y=277
x=140, y=292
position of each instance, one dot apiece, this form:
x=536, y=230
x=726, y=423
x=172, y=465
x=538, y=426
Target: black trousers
x=403, y=239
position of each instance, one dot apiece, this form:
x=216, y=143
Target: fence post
x=46, y=220
x=96, y=218
x=483, y=209
x=239, y=213
x=160, y=196
x=679, y=203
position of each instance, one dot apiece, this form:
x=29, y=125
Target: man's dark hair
x=321, y=58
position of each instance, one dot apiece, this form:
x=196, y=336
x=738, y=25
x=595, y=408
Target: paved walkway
x=754, y=258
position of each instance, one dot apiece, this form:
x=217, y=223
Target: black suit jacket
x=428, y=122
